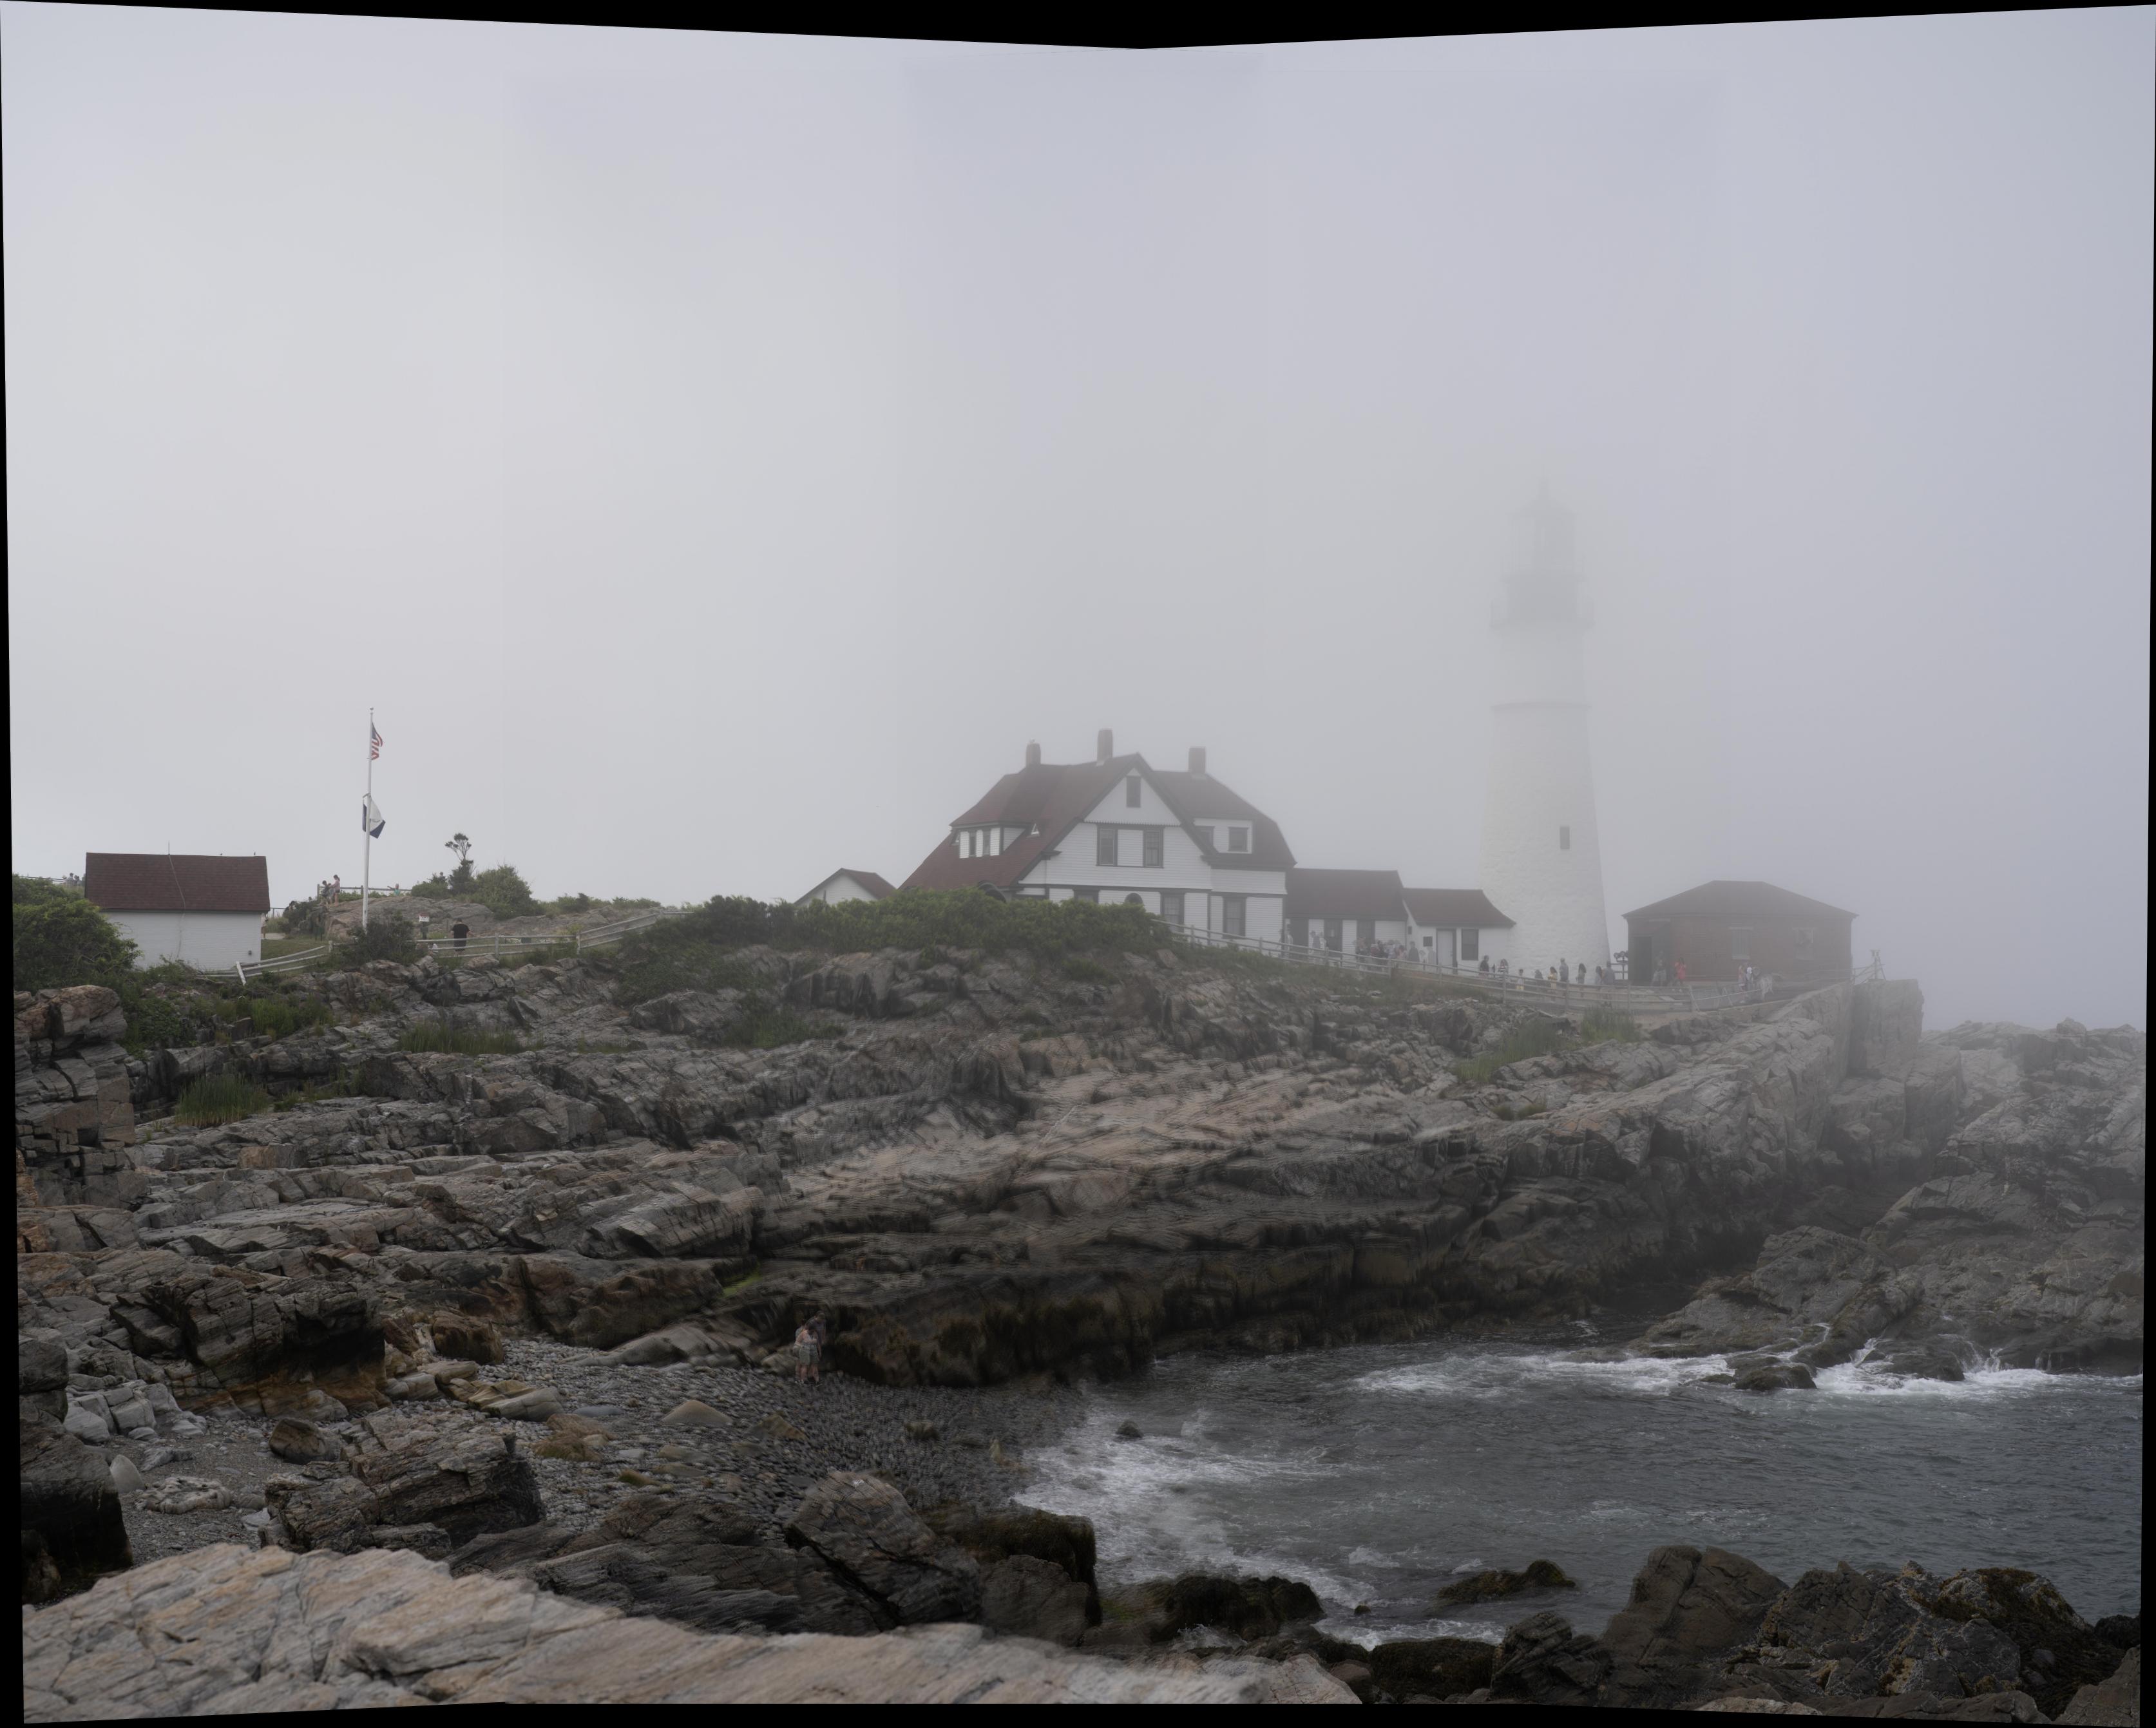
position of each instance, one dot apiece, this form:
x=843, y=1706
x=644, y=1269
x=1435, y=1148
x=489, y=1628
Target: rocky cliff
x=977, y=1168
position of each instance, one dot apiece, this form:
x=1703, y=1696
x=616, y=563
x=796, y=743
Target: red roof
x=1739, y=899
x=1456, y=908
x=1345, y=893
x=174, y=882
x=1050, y=799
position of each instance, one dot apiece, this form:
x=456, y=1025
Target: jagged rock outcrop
x=236, y=1630
x=2024, y=1241
x=862, y=1527
x=454, y=1474
x=1711, y=1630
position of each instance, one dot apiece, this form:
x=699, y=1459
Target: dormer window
x=1238, y=839
x=1133, y=794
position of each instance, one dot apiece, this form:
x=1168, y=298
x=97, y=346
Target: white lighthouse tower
x=1541, y=850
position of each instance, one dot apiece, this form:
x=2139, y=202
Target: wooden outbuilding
x=1718, y=928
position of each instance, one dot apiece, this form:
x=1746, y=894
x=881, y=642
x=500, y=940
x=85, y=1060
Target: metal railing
x=497, y=944
x=1649, y=998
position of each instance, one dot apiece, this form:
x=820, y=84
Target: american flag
x=374, y=741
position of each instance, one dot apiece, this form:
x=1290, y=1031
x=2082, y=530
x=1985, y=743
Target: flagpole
x=367, y=857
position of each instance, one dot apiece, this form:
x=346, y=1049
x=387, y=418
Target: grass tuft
x=441, y=1038
x=1604, y=1025
x=219, y=1097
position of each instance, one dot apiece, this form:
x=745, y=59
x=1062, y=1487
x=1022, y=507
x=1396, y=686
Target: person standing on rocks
x=807, y=1352
x=460, y=929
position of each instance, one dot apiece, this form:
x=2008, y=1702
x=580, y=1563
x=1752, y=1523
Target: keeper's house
x=1118, y=830
x=204, y=912
x=1719, y=926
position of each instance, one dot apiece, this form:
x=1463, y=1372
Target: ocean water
x=1379, y=1474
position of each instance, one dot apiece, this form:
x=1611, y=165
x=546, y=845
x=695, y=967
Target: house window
x=1238, y=839
x=1332, y=934
x=1135, y=899
x=1471, y=944
x=1171, y=907
x=965, y=843
x=1092, y=894
x=1132, y=794
x=1205, y=837
x=1564, y=839
x=1231, y=913
x=1104, y=845
x=1153, y=841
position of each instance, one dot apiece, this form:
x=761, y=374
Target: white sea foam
x=1484, y=1377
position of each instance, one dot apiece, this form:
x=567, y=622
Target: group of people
x=1562, y=975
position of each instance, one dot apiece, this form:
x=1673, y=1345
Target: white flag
x=369, y=818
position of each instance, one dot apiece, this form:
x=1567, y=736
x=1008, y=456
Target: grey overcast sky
x=714, y=457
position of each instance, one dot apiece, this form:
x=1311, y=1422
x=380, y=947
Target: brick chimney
x=1033, y=755
x=1198, y=759
x=1106, y=745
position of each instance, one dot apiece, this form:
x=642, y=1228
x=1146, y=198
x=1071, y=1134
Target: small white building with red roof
x=1179, y=842
x=201, y=912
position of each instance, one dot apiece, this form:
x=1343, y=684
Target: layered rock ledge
x=225, y=1630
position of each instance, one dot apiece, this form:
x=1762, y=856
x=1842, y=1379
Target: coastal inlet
x=1382, y=1473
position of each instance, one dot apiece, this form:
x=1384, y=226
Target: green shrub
x=440, y=1038
x=64, y=940
x=305, y=918
x=570, y=903
x=219, y=1097
x=37, y=891
x=1530, y=1038
x=1603, y=1026
x=504, y=892
x=387, y=936
x=274, y=1016
x=157, y=1023
x=436, y=887
x=691, y=952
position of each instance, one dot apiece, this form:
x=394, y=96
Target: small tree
x=67, y=940
x=460, y=879
x=504, y=892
